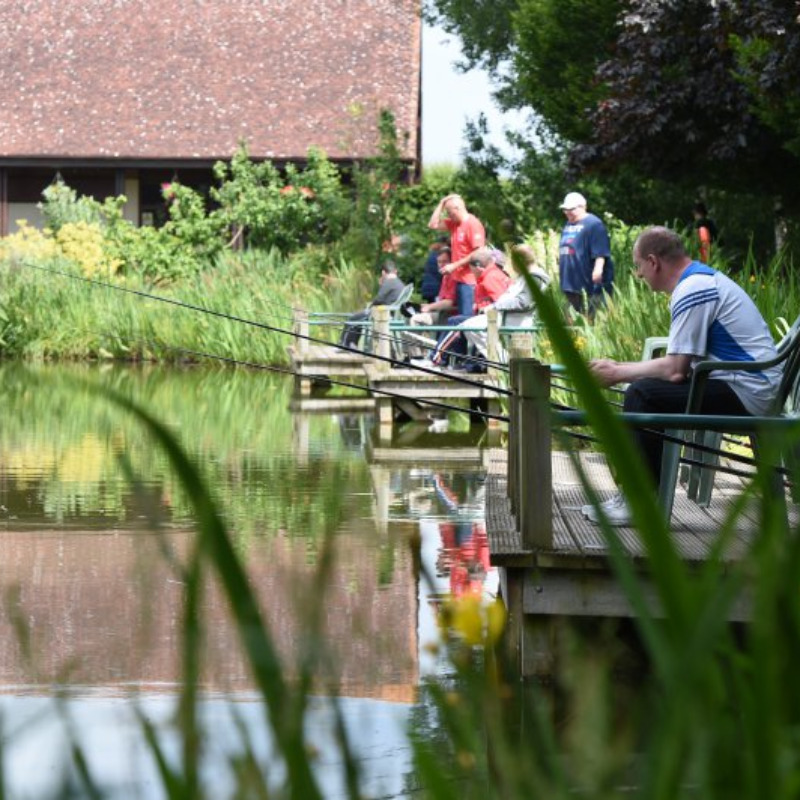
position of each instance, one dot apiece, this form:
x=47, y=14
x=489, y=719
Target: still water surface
x=93, y=528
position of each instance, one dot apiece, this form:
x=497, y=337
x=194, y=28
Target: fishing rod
x=264, y=326
x=433, y=403
x=333, y=382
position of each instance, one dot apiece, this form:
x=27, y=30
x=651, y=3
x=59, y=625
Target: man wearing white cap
x=585, y=266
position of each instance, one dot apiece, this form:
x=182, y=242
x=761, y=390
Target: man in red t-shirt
x=466, y=236
x=487, y=267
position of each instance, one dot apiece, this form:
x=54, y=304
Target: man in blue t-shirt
x=584, y=257
x=712, y=319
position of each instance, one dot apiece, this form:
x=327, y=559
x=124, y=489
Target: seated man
x=435, y=312
x=487, y=266
x=445, y=301
x=712, y=319
x=515, y=304
x=390, y=289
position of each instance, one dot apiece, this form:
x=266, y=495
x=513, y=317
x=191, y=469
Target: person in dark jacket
x=431, y=276
x=390, y=289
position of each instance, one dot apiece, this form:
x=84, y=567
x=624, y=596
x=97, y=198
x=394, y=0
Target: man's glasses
x=476, y=263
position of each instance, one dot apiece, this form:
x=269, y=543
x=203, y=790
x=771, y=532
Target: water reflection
x=89, y=560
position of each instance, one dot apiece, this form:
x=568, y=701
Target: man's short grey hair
x=660, y=242
x=388, y=266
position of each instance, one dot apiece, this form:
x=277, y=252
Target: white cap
x=573, y=200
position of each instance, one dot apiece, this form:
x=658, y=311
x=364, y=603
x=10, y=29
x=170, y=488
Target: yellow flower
x=473, y=621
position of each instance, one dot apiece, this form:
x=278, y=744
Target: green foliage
x=45, y=315
x=656, y=104
x=282, y=211
x=61, y=205
x=558, y=46
x=377, y=184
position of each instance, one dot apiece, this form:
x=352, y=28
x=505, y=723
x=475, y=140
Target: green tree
x=541, y=54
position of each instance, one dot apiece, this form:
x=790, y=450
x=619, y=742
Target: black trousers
x=654, y=396
x=351, y=334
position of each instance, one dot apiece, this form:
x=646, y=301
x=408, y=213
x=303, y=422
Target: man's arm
x=673, y=368
x=436, y=222
x=438, y=305
x=386, y=295
x=516, y=298
x=454, y=265
x=597, y=269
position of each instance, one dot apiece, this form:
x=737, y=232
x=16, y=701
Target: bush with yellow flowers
x=28, y=244
x=84, y=244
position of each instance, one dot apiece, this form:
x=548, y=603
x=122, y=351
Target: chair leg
x=701, y=482
x=670, y=461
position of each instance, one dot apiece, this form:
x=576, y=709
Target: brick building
x=120, y=96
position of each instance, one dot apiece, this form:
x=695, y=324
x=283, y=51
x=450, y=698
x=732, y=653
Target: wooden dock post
x=302, y=384
x=381, y=346
x=492, y=337
x=493, y=356
x=521, y=347
x=381, y=337
x=301, y=329
x=533, y=458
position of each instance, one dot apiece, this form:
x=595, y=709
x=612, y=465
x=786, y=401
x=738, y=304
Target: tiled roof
x=149, y=79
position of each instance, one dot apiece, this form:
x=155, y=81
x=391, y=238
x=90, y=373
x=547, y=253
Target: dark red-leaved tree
x=705, y=90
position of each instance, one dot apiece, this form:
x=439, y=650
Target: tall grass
x=50, y=313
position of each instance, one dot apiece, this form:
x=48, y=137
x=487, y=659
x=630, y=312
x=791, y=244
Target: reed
x=48, y=312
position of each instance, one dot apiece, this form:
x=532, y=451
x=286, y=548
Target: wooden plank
x=415, y=455
x=694, y=529
x=593, y=594
x=331, y=405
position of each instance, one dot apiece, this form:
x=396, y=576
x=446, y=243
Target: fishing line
x=265, y=326
x=424, y=401
x=331, y=381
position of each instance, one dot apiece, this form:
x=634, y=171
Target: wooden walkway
x=694, y=528
x=394, y=391
x=574, y=577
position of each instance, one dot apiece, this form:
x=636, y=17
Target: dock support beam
x=533, y=457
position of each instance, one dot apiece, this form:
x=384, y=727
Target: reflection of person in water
x=464, y=553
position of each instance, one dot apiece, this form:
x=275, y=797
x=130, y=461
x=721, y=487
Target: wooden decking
x=578, y=541
x=574, y=577
x=320, y=361
x=394, y=391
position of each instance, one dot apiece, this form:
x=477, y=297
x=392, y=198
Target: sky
x=449, y=98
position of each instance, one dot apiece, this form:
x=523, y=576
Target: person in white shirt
x=713, y=318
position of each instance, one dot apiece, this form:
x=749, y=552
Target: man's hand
x=597, y=272
x=446, y=269
x=605, y=370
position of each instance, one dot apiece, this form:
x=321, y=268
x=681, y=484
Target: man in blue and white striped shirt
x=713, y=319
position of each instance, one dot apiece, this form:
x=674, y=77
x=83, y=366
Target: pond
x=95, y=528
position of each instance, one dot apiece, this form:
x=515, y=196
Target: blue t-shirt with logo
x=581, y=243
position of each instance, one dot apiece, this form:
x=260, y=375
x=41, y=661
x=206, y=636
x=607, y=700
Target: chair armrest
x=703, y=369
x=652, y=344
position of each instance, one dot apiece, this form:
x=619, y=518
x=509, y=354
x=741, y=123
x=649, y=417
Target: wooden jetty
x=396, y=392
x=553, y=562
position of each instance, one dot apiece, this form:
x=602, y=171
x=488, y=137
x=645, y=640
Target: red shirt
x=447, y=291
x=491, y=284
x=465, y=238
